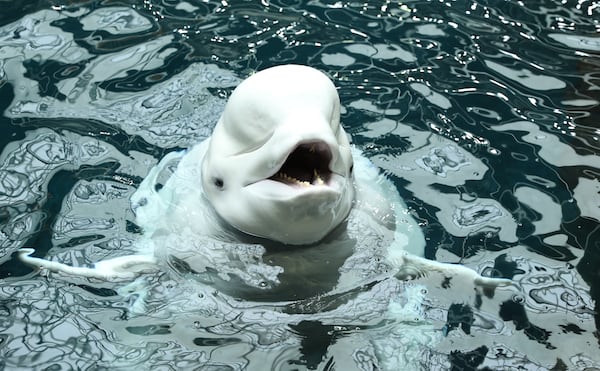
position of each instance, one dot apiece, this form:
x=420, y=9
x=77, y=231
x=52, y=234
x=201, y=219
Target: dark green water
x=484, y=114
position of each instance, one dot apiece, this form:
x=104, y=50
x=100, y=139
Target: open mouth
x=307, y=165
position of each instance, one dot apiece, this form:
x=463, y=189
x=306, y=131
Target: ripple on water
x=481, y=113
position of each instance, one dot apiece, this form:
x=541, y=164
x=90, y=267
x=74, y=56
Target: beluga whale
x=277, y=200
x=278, y=164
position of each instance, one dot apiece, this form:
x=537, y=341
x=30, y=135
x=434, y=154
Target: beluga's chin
x=278, y=164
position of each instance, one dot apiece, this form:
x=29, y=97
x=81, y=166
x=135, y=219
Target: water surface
x=483, y=114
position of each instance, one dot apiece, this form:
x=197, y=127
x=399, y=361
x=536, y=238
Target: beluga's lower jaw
x=278, y=164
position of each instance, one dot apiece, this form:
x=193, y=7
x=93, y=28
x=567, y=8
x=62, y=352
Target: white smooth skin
x=266, y=118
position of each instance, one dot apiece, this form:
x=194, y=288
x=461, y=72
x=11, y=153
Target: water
x=484, y=114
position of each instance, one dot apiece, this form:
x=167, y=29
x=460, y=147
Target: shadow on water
x=307, y=271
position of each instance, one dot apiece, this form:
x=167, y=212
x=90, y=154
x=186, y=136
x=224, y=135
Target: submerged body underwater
x=483, y=116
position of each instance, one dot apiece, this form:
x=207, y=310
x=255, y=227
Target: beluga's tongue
x=278, y=164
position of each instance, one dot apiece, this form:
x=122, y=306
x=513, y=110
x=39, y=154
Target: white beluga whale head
x=279, y=164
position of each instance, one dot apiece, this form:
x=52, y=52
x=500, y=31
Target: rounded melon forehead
x=265, y=100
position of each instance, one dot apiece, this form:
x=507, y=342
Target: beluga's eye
x=219, y=183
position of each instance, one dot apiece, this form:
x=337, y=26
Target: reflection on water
x=484, y=114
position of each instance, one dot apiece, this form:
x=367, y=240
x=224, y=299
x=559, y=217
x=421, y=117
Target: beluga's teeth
x=296, y=169
x=317, y=178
